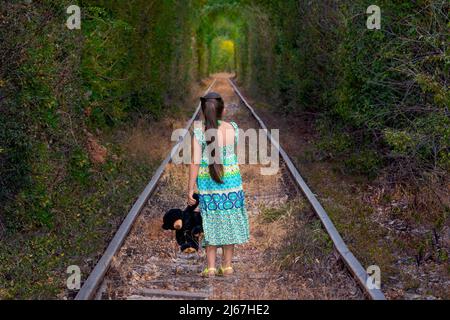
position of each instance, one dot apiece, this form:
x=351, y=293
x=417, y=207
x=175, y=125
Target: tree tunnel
x=219, y=33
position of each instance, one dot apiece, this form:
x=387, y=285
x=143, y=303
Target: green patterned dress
x=222, y=205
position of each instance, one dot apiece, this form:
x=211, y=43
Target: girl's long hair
x=212, y=108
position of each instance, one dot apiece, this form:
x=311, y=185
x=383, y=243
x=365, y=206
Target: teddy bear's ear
x=170, y=217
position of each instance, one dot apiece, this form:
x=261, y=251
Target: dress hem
x=225, y=244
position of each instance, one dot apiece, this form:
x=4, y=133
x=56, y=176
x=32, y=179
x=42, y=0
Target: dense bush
x=387, y=90
x=61, y=90
x=58, y=83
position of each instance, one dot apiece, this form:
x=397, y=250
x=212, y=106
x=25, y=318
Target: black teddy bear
x=188, y=226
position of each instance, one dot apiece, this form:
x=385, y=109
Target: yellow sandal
x=206, y=273
x=222, y=271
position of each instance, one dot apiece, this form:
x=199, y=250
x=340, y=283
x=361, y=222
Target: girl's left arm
x=193, y=170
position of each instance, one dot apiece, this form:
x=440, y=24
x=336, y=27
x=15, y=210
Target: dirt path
x=288, y=257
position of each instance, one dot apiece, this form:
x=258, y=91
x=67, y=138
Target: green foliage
x=35, y=127
x=79, y=166
x=366, y=162
x=383, y=90
x=400, y=141
x=137, y=57
x=335, y=144
x=104, y=66
x=130, y=59
x=218, y=31
x=222, y=55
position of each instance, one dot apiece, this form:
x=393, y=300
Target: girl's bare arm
x=193, y=170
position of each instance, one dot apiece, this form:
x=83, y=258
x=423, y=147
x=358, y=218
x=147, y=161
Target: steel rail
x=91, y=284
x=350, y=260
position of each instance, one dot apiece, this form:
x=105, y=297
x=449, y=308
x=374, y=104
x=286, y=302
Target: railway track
x=143, y=262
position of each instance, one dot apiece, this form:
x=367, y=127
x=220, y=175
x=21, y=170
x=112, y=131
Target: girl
x=219, y=184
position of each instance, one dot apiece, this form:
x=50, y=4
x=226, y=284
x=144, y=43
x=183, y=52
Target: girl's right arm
x=193, y=170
